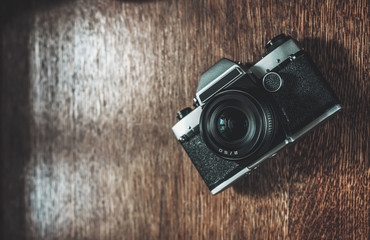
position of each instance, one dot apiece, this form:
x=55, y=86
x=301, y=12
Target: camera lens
x=232, y=124
x=235, y=125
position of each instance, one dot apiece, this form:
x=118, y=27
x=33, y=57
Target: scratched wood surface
x=89, y=93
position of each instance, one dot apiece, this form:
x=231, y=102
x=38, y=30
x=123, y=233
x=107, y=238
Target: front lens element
x=232, y=124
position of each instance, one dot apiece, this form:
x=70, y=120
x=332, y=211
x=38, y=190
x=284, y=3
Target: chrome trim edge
x=245, y=170
x=248, y=169
x=315, y=122
x=186, y=124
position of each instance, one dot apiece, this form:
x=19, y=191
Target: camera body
x=244, y=116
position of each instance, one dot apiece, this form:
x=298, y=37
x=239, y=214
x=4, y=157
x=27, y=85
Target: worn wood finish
x=89, y=92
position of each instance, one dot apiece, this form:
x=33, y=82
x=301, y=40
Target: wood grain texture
x=89, y=93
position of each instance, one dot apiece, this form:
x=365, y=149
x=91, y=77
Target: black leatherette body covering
x=304, y=96
x=211, y=167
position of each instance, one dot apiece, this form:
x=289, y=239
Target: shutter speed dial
x=272, y=82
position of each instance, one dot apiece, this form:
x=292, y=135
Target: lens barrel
x=234, y=124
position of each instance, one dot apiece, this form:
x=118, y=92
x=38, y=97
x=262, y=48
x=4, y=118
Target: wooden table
x=90, y=91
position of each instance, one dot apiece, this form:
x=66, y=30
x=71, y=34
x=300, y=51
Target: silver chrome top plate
x=274, y=58
x=186, y=124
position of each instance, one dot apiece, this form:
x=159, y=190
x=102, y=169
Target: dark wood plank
x=89, y=93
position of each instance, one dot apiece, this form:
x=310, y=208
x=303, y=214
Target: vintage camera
x=244, y=116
